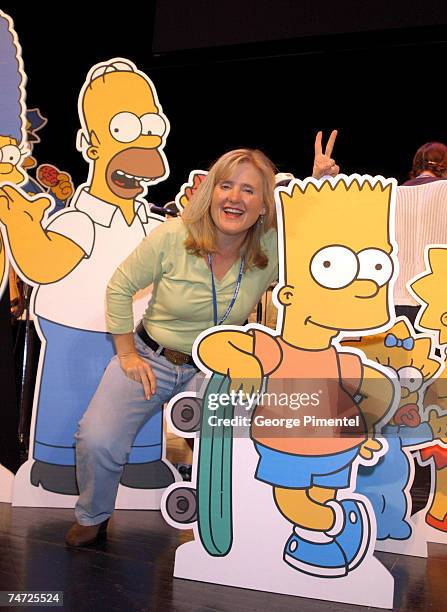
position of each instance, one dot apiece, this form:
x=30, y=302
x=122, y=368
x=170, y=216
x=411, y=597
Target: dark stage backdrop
x=379, y=87
x=195, y=24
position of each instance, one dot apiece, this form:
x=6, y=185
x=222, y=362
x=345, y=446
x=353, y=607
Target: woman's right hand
x=138, y=370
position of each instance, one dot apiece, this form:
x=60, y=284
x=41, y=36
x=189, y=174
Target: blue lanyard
x=236, y=291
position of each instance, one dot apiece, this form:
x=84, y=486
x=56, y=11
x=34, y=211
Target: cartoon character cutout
x=195, y=179
x=71, y=257
x=49, y=178
x=336, y=263
x=12, y=119
x=429, y=290
x=386, y=484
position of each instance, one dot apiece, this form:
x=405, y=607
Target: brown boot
x=83, y=535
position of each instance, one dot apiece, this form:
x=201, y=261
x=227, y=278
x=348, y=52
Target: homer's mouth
x=129, y=181
x=129, y=171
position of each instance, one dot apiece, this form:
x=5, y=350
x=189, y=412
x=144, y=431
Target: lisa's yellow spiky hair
x=430, y=288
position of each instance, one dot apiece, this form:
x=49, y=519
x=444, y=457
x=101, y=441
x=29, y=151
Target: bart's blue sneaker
x=355, y=534
x=325, y=558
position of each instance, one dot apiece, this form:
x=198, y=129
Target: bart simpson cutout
x=70, y=260
x=387, y=483
x=336, y=264
x=429, y=289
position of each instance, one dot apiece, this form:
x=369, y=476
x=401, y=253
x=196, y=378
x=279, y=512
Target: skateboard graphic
x=210, y=503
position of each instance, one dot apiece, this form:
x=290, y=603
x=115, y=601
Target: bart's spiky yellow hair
x=344, y=198
x=354, y=211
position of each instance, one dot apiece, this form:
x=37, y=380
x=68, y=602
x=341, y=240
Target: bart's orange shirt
x=327, y=381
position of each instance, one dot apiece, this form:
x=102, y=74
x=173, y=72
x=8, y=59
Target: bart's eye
x=10, y=154
x=334, y=267
x=375, y=265
x=411, y=378
x=125, y=127
x=152, y=125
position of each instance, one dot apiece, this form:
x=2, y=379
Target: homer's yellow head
x=124, y=131
x=430, y=288
x=10, y=158
x=338, y=254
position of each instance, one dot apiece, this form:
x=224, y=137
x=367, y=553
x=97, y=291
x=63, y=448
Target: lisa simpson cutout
x=429, y=290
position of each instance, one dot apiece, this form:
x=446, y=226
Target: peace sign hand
x=324, y=165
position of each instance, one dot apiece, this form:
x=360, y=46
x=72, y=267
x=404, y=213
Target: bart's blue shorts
x=304, y=471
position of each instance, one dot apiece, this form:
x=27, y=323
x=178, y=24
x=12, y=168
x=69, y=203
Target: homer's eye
x=125, y=127
x=152, y=125
x=411, y=378
x=334, y=267
x=375, y=265
x=10, y=154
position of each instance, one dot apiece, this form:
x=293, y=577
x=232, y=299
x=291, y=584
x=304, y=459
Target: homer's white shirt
x=99, y=228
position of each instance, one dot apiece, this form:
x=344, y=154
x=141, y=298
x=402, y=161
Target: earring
x=261, y=219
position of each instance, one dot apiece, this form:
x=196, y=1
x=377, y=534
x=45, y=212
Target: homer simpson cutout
x=386, y=484
x=70, y=260
x=429, y=290
x=295, y=522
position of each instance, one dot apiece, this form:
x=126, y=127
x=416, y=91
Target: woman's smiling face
x=238, y=200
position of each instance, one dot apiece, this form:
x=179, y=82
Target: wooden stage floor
x=132, y=570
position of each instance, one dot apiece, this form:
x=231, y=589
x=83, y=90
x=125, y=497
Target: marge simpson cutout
x=12, y=118
x=72, y=257
x=386, y=484
x=429, y=289
x=336, y=252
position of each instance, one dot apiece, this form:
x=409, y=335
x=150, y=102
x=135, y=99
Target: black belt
x=175, y=357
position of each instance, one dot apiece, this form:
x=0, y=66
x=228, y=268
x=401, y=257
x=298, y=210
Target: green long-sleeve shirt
x=181, y=306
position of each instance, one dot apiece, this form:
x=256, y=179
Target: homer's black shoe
x=55, y=478
x=152, y=475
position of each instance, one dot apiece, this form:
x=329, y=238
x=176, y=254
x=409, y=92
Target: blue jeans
x=117, y=413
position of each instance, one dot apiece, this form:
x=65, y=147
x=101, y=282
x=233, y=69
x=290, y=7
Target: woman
x=208, y=267
x=421, y=219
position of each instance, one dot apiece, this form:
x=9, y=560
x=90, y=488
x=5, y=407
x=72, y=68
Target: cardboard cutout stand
x=74, y=254
x=428, y=288
x=411, y=358
x=274, y=511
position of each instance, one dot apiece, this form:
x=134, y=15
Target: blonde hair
x=201, y=231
